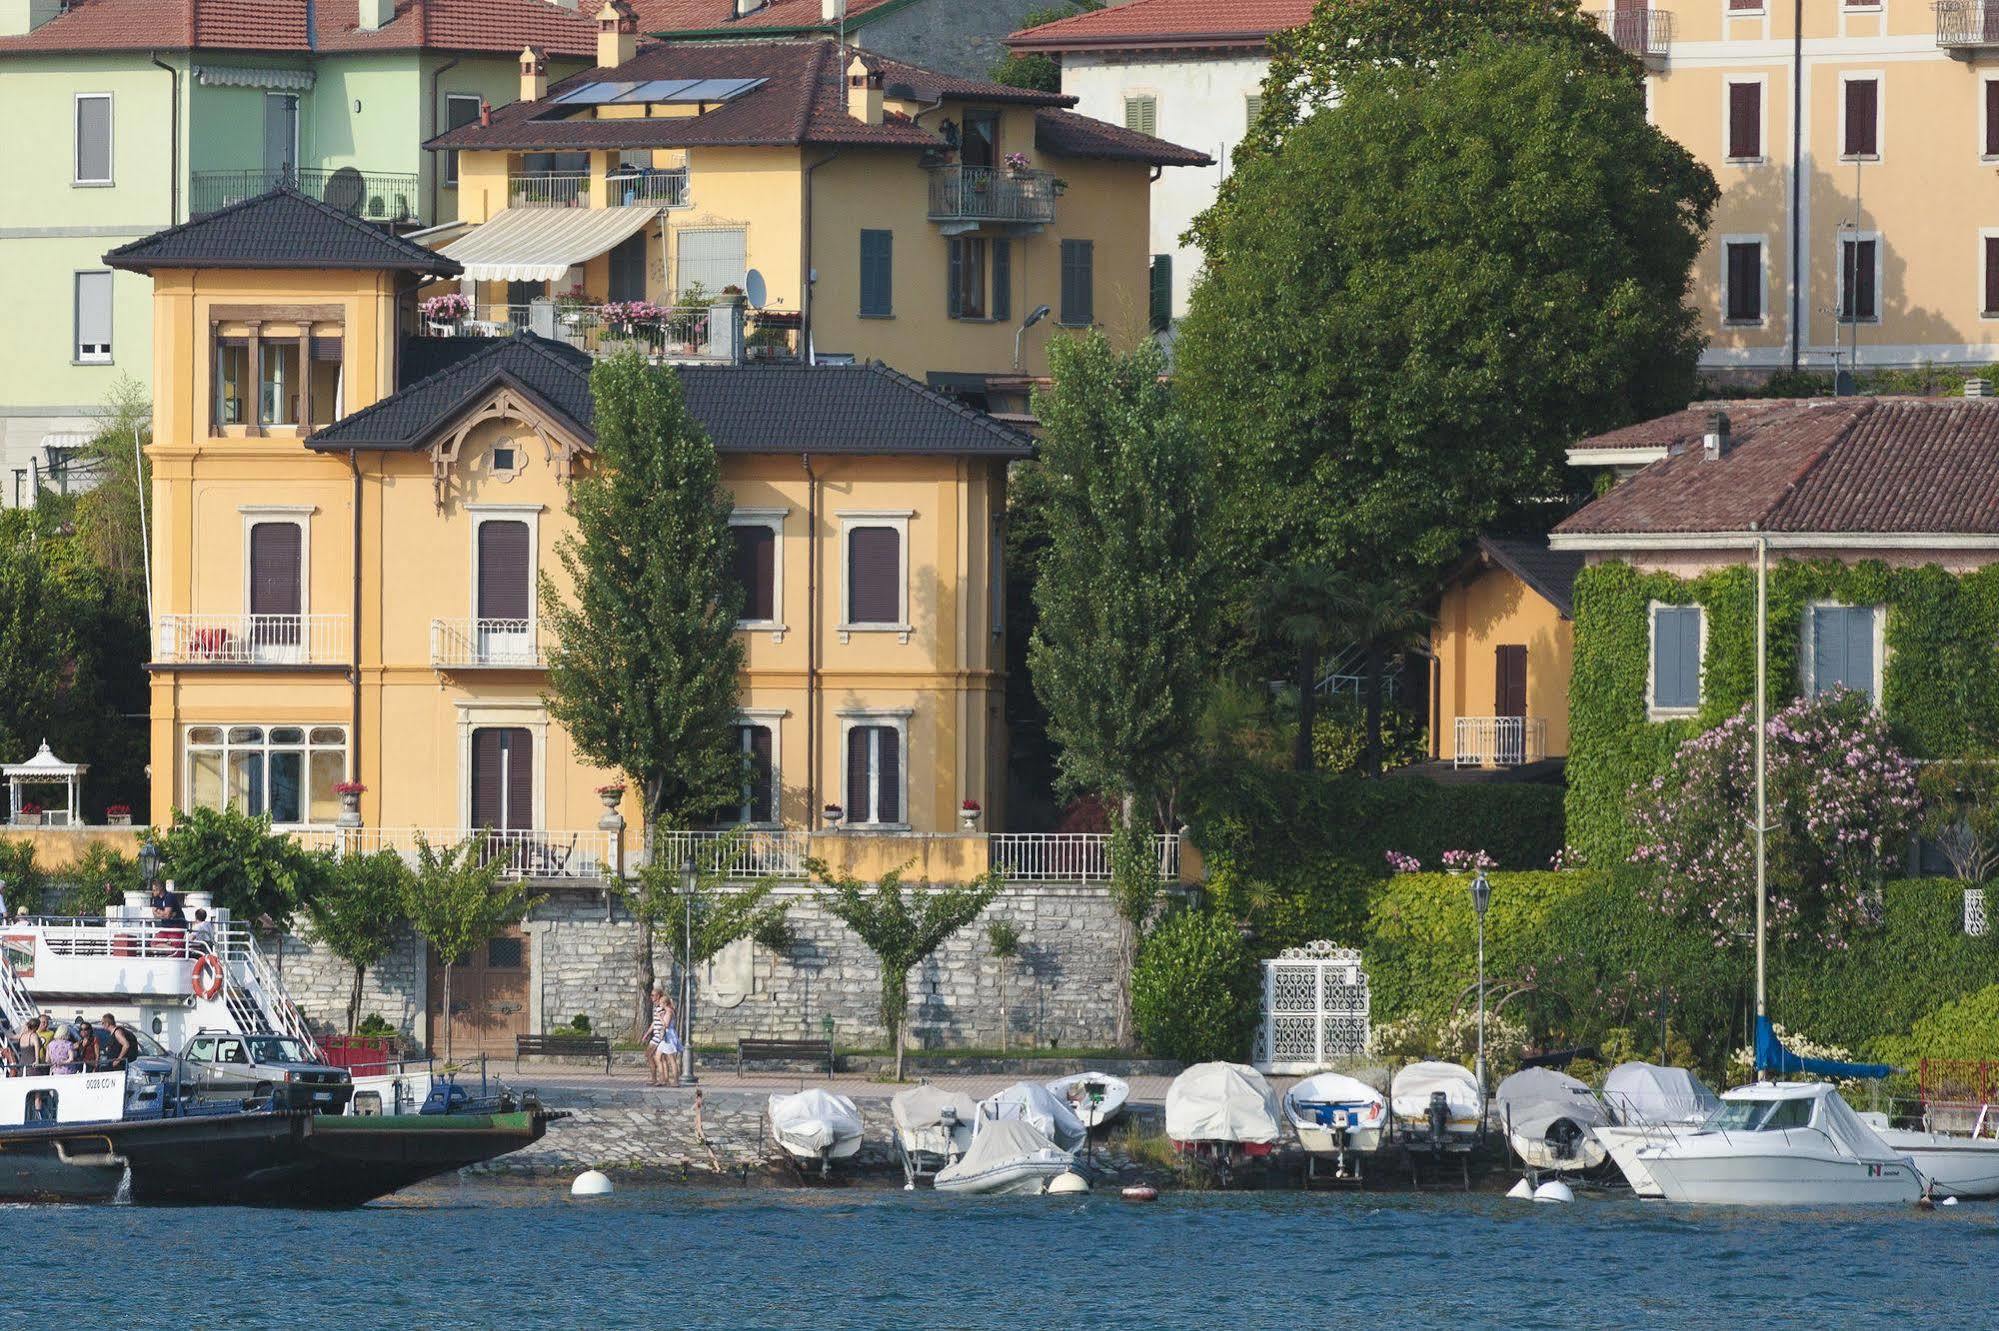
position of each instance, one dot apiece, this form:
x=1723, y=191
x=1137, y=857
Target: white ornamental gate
x=1314, y=1009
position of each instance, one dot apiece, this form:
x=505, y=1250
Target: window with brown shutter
x=874, y=575
x=502, y=778
x=1992, y=275
x=874, y=775
x=276, y=590
x=504, y=571
x=1858, y=298
x=759, y=780
x=1510, y=683
x=1745, y=120
x=1863, y=103
x=756, y=569
x=1745, y=281
x=1992, y=116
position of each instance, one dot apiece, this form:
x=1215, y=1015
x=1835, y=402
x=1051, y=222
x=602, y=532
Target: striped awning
x=250, y=76
x=541, y=244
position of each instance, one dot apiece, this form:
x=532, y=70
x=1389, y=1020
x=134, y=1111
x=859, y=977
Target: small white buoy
x=1523, y=1191
x=591, y=1183
x=1948, y=1201
x=1554, y=1190
x=1068, y=1183
x=1140, y=1192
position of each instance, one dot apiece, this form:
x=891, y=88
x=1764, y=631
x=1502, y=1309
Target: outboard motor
x=1564, y=1135
x=1438, y=1115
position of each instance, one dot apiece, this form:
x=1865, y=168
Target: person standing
x=62, y=1053
x=30, y=1046
x=661, y=1019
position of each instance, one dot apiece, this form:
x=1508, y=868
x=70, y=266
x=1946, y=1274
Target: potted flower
x=446, y=311
x=612, y=795
x=1016, y=163
x=1398, y=862
x=30, y=814
x=833, y=814
x=968, y=814
x=1459, y=862
x=350, y=802
x=118, y=815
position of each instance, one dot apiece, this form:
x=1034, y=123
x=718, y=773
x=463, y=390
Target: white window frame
x=1880, y=82
x=1653, y=711
x=448, y=172
x=773, y=518
x=110, y=141
x=898, y=518
x=485, y=513
x=679, y=281
x=1808, y=666
x=76, y=351
x=1728, y=13
x=298, y=120
x=771, y=719
x=188, y=749
x=1839, y=278
x=300, y=516
x=1762, y=82
x=1762, y=242
x=1985, y=233
x=524, y=714
x=885, y=717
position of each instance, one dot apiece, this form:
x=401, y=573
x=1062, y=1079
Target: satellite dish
x=753, y=287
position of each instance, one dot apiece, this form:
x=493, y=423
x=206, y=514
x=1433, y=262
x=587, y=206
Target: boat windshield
x=276, y=1049
x=1759, y=1116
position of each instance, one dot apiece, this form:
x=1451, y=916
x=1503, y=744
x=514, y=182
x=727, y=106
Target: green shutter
x=877, y=273
x=1162, y=292
x=1002, y=301
x=1142, y=114
x=1252, y=106
x=952, y=276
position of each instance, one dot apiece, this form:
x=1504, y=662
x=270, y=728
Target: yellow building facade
x=1859, y=219
x=1502, y=647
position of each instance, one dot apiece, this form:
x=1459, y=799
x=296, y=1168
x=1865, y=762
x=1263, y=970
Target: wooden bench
x=563, y=1046
x=784, y=1051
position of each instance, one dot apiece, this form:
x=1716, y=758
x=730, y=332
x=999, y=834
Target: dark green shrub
x=1194, y=991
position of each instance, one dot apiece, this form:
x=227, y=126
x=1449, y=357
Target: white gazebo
x=45, y=769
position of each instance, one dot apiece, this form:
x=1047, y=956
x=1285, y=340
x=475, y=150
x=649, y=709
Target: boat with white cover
x=1414, y=1096
x=1337, y=1118
x=815, y=1127
x=1954, y=1165
x=933, y=1128
x=1006, y=1156
x=1549, y=1117
x=1040, y=1109
x=1781, y=1143
x=1224, y=1113
x=1093, y=1107
x=1645, y=1100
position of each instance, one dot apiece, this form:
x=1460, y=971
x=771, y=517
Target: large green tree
x=360, y=914
x=700, y=918
x=261, y=877
x=1425, y=293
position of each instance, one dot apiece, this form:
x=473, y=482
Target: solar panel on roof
x=656, y=90
x=595, y=94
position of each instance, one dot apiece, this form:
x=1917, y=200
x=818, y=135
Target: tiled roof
x=1167, y=23
x=501, y=27
x=1921, y=466
x=1071, y=135
x=281, y=229
x=868, y=409
x=670, y=17
x=1551, y=573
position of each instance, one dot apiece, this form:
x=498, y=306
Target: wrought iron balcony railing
x=1646, y=33
x=376, y=195
x=991, y=194
x=1967, y=24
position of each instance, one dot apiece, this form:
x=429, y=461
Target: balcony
x=724, y=333
x=377, y=196
x=1031, y=858
x=1501, y=741
x=1646, y=33
x=962, y=197
x=485, y=644
x=571, y=189
x=250, y=641
x=524, y=855
x=1967, y=25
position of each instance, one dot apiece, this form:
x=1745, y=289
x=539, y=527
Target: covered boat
x=1337, y=1118
x=1040, y=1109
x=815, y=1126
x=933, y=1127
x=1549, y=1118
x=1647, y=1102
x=1777, y=1143
x=1095, y=1098
x=1414, y=1096
x=1007, y=1155
x=1952, y=1164
x=1222, y=1112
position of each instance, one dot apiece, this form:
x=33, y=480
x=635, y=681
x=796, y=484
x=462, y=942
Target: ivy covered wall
x=1940, y=674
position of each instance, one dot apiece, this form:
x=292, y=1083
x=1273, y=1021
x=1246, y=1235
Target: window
x=981, y=141
x=628, y=268
x=1252, y=109
x=277, y=587
x=711, y=258
x=1862, y=118
x=506, y=953
x=1745, y=121
x=759, y=788
x=506, y=558
x=281, y=134
x=877, y=274
x=1744, y=275
x=505, y=459
x=1141, y=113
x=1160, y=300
x=327, y=388
x=502, y=778
x=1859, y=279
x=756, y=571
x=460, y=108
x=287, y=772
x=1989, y=243
x=1840, y=649
x=1991, y=125
x=1509, y=685
x=232, y=378
x=93, y=139
x=874, y=775
x=93, y=318
x=874, y=576
x=1677, y=633
x=1745, y=6
x=277, y=382
x=1078, y=282
x=979, y=284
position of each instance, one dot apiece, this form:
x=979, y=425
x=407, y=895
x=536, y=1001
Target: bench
x=563, y=1046
x=784, y=1051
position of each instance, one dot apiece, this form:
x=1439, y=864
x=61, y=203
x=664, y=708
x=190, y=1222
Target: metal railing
x=490, y=643
x=1069, y=857
x=268, y=995
x=1967, y=23
x=664, y=188
x=694, y=333
x=1501, y=741
x=531, y=854
x=1646, y=33
x=991, y=194
x=749, y=853
x=548, y=189
x=379, y=196
x=250, y=639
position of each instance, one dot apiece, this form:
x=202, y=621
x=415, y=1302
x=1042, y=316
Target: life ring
x=207, y=980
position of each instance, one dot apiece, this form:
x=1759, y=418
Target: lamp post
x=687, y=1077
x=1481, y=897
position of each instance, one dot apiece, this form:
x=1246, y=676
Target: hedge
x=1420, y=947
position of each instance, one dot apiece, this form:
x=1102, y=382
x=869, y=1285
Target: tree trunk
x=1308, y=707
x=647, y=974
x=1003, y=1020
x=1371, y=759
x=447, y=1011
x=354, y=1001
x=1127, y=940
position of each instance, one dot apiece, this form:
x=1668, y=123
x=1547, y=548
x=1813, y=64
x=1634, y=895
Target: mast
x=1762, y=674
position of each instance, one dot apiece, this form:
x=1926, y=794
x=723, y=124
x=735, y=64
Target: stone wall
x=321, y=983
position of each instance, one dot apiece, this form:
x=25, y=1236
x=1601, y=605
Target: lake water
x=479, y=1255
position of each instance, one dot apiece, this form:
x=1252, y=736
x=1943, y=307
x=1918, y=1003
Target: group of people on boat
x=46, y=1046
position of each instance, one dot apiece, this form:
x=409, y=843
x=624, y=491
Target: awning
x=541, y=244
x=237, y=76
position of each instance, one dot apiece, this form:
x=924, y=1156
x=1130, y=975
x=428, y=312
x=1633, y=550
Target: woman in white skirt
x=662, y=1040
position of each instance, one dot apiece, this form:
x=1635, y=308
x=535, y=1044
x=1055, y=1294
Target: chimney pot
x=617, y=34
x=1977, y=387
x=864, y=92
x=534, y=75
x=1715, y=443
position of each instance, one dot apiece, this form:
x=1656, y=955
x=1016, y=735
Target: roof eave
x=1589, y=541
x=1145, y=41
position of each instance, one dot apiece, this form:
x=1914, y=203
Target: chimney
x=617, y=34
x=748, y=7
x=375, y=14
x=485, y=114
x=832, y=11
x=864, y=93
x=1716, y=442
x=534, y=75
x=1978, y=388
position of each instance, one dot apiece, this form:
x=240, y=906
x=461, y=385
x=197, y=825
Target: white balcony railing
x=752, y=854
x=1967, y=24
x=1641, y=30
x=1023, y=857
x=664, y=188
x=501, y=644
x=1501, y=741
x=660, y=188
x=1069, y=857
x=534, y=855
x=548, y=189
x=250, y=640
x=689, y=333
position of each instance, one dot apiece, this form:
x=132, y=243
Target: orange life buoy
x=207, y=981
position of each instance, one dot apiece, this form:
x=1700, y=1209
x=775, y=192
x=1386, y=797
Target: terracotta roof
x=1167, y=23
x=497, y=26
x=681, y=17
x=1924, y=466
x=1071, y=135
x=281, y=229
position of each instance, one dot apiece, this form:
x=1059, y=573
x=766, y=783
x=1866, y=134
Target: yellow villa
x=1503, y=645
x=810, y=199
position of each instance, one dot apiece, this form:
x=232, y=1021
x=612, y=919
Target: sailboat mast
x=1762, y=705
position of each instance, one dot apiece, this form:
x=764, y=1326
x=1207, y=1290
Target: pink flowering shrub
x=1464, y=861
x=1401, y=863
x=1841, y=798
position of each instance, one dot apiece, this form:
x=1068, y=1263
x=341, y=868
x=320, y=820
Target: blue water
x=475, y=1255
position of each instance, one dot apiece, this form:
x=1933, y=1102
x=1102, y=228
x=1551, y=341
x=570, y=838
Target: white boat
x=1646, y=1102
x=1548, y=1117
x=815, y=1127
x=1414, y=1096
x=1781, y=1143
x=933, y=1128
x=1040, y=1109
x=1223, y=1113
x=1337, y=1118
x=1092, y=1110
x=1007, y=1156
x=1954, y=1165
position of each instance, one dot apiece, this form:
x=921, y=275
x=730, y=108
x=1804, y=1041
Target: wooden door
x=489, y=998
x=1509, y=690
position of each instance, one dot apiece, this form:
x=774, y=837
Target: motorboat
x=1095, y=1098
x=1039, y=1107
x=1440, y=1099
x=1954, y=1165
x=1224, y=1113
x=1008, y=1155
x=1337, y=1118
x=933, y=1128
x=1549, y=1117
x=815, y=1127
x=1781, y=1143
x=1647, y=1102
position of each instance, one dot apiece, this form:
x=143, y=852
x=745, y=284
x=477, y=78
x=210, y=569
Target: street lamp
x=149, y=863
x=1481, y=897
x=687, y=1077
